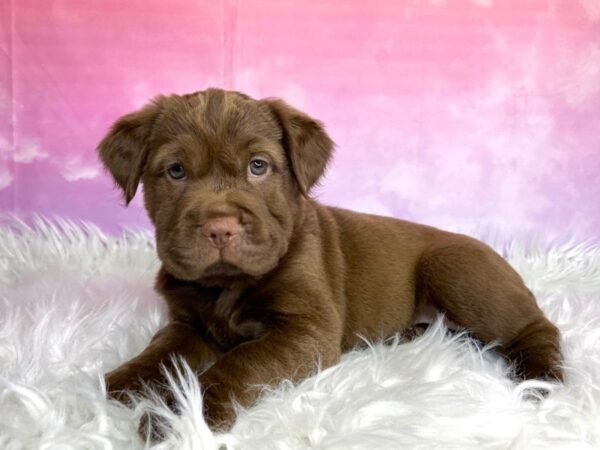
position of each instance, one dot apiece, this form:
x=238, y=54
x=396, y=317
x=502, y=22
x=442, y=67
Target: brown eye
x=176, y=171
x=258, y=167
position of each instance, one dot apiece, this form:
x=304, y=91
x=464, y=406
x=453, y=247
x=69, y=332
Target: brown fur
x=297, y=281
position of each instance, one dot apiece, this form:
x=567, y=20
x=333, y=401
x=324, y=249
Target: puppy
x=262, y=282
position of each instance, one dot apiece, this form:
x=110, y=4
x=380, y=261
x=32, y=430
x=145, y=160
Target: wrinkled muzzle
x=221, y=236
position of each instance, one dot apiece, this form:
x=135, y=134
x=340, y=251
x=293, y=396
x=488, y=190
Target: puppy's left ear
x=124, y=149
x=308, y=146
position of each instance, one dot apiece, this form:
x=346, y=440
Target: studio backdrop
x=457, y=113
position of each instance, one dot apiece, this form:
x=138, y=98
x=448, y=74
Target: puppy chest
x=229, y=327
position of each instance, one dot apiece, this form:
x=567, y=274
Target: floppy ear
x=308, y=146
x=124, y=149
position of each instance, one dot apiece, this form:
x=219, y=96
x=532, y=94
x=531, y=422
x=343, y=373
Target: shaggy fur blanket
x=75, y=303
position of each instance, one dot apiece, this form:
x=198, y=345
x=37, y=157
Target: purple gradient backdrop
x=458, y=113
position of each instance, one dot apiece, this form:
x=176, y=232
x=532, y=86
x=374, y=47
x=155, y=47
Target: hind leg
x=478, y=290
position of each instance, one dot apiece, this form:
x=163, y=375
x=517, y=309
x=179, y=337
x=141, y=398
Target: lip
x=222, y=268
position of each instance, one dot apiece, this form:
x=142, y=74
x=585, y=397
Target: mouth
x=212, y=265
x=222, y=269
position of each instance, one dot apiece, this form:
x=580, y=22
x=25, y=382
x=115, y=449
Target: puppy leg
x=176, y=338
x=289, y=352
x=477, y=289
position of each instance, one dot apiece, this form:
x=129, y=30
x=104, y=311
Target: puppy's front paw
x=121, y=381
x=219, y=415
x=133, y=379
x=152, y=426
x=218, y=409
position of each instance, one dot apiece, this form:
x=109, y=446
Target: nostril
x=216, y=235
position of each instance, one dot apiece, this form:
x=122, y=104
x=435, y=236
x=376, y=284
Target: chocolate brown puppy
x=261, y=281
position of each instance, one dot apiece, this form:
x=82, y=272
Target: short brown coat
x=301, y=281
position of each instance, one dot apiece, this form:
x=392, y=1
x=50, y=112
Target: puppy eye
x=258, y=167
x=176, y=171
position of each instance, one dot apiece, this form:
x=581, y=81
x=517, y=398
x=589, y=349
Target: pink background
x=458, y=113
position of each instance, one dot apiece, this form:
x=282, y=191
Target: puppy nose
x=220, y=230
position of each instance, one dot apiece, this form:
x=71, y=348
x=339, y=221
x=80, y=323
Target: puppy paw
x=135, y=379
x=126, y=381
x=122, y=381
x=219, y=415
x=218, y=409
x=152, y=427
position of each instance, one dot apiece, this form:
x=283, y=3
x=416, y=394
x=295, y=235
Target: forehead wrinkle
x=235, y=121
x=222, y=135
x=213, y=147
x=207, y=122
x=229, y=159
x=228, y=114
x=258, y=143
x=256, y=118
x=226, y=124
x=194, y=151
x=213, y=108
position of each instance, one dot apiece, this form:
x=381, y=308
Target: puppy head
x=224, y=176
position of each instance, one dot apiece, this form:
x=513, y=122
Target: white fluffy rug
x=75, y=303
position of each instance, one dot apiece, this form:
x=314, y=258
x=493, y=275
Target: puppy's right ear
x=124, y=149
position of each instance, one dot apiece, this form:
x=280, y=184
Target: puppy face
x=224, y=176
